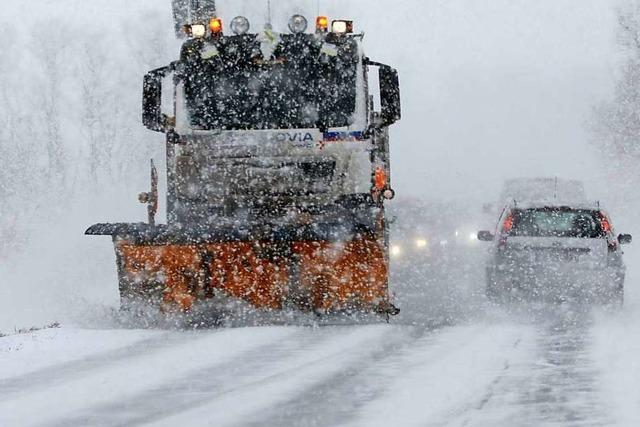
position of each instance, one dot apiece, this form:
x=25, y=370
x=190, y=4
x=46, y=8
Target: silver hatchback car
x=555, y=251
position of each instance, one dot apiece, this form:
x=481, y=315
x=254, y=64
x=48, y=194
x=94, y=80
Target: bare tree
x=70, y=127
x=615, y=124
x=629, y=27
x=49, y=49
x=18, y=156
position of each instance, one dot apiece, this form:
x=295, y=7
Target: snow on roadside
x=98, y=380
x=617, y=354
x=24, y=353
x=617, y=335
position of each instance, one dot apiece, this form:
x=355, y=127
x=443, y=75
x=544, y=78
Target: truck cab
x=270, y=123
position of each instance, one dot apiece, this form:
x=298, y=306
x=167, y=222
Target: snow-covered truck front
x=277, y=172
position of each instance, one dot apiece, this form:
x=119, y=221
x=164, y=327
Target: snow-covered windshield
x=302, y=83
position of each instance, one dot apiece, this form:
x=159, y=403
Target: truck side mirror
x=389, y=95
x=485, y=236
x=152, y=117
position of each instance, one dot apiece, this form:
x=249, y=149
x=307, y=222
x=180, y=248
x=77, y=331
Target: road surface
x=451, y=359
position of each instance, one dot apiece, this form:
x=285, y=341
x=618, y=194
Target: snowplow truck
x=277, y=158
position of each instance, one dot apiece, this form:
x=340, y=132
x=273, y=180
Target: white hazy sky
x=501, y=88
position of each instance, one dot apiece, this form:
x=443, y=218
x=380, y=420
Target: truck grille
x=250, y=177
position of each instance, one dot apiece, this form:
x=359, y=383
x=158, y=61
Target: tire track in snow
x=562, y=385
x=555, y=384
x=260, y=401
x=200, y=387
x=466, y=414
x=430, y=383
x=335, y=400
x=268, y=393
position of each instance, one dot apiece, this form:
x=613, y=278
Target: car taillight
x=507, y=225
x=612, y=244
x=604, y=223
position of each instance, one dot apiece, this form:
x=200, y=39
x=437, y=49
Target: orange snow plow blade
x=318, y=276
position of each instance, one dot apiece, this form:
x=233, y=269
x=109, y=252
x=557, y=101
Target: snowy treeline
x=616, y=122
x=70, y=128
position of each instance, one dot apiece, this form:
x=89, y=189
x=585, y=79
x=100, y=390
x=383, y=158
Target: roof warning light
x=322, y=24
x=215, y=25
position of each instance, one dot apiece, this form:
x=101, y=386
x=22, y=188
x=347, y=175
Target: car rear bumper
x=558, y=282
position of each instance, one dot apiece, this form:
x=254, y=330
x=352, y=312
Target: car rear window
x=556, y=222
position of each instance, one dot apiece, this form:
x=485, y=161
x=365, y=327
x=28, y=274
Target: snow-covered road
x=529, y=365
x=450, y=359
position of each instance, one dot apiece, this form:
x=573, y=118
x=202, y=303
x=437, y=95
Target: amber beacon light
x=215, y=25
x=322, y=24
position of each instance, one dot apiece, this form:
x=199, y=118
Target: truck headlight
x=421, y=243
x=198, y=31
x=342, y=27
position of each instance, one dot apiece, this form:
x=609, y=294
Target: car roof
x=555, y=203
x=533, y=189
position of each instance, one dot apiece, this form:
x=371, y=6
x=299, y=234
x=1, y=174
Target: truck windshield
x=304, y=84
x=552, y=222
